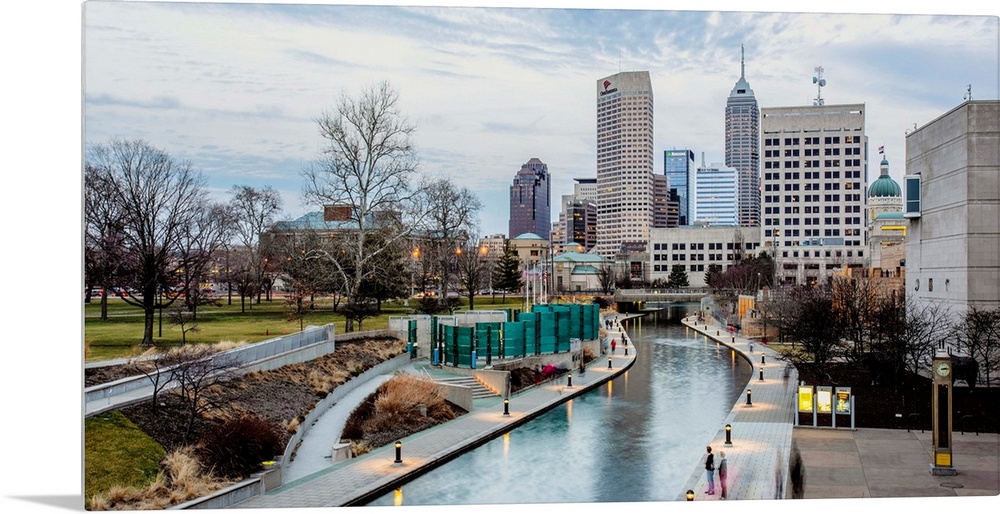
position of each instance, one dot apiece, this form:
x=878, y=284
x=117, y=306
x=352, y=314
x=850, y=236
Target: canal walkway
x=358, y=480
x=762, y=419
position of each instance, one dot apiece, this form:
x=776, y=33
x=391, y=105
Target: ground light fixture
x=729, y=433
x=569, y=380
x=749, y=394
x=762, y=358
x=399, y=452
x=761, y=374
x=689, y=495
x=506, y=407
x=609, y=362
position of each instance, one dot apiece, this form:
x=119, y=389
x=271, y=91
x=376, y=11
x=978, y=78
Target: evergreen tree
x=714, y=270
x=507, y=275
x=678, y=277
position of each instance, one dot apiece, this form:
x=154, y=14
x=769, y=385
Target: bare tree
x=158, y=198
x=195, y=370
x=473, y=271
x=978, y=334
x=606, y=278
x=184, y=320
x=451, y=221
x=254, y=211
x=368, y=166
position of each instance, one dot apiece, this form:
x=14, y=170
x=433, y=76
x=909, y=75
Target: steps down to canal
x=478, y=389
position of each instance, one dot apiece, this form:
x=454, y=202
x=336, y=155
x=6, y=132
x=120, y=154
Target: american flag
x=881, y=149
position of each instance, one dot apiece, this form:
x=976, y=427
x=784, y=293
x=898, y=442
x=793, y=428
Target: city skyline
x=486, y=96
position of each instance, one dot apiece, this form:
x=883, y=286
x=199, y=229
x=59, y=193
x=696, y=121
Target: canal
x=636, y=438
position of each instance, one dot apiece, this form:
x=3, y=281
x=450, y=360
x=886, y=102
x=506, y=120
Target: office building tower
x=743, y=146
x=578, y=218
x=815, y=170
x=530, y=201
x=624, y=162
x=715, y=196
x=679, y=167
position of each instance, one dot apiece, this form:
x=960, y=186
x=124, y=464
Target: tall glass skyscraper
x=624, y=162
x=743, y=147
x=678, y=166
x=530, y=201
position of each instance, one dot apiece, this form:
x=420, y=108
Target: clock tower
x=941, y=408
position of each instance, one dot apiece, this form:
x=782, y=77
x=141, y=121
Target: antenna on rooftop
x=968, y=94
x=820, y=82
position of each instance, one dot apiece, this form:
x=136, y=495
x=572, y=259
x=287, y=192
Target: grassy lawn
x=121, y=334
x=117, y=453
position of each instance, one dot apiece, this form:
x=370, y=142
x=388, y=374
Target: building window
x=930, y=284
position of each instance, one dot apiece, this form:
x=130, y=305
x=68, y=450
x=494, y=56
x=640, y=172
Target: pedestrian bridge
x=661, y=297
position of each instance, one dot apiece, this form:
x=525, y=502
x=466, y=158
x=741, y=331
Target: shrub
x=236, y=448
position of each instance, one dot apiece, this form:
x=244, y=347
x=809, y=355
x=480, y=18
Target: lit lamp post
x=399, y=453
x=413, y=270
x=689, y=495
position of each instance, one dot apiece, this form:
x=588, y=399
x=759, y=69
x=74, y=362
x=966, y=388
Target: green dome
x=884, y=186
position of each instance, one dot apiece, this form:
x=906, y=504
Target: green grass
x=121, y=334
x=117, y=453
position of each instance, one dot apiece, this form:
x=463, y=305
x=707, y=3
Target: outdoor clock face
x=942, y=368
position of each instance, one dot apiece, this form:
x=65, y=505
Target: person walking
x=710, y=470
x=798, y=473
x=722, y=474
x=613, y=345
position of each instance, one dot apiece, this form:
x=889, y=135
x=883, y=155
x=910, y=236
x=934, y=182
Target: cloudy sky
x=235, y=88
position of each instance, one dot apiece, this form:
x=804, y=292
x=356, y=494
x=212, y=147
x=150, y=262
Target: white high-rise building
x=715, y=195
x=624, y=162
x=815, y=171
x=743, y=147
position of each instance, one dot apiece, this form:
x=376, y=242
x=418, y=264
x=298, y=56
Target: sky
x=235, y=90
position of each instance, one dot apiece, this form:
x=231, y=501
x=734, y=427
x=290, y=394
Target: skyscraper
x=814, y=177
x=743, y=146
x=679, y=167
x=715, y=196
x=530, y=201
x=624, y=162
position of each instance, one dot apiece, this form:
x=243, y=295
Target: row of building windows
x=852, y=197
x=812, y=175
x=828, y=163
x=815, y=140
x=812, y=152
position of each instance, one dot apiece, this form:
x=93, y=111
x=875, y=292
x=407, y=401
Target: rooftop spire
x=743, y=67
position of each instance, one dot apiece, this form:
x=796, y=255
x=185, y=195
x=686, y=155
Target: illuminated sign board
x=843, y=405
x=805, y=399
x=824, y=399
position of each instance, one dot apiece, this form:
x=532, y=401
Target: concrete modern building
x=716, y=194
x=530, y=200
x=952, y=200
x=696, y=248
x=815, y=171
x=743, y=147
x=624, y=162
x=680, y=169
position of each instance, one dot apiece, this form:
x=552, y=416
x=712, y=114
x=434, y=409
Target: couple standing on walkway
x=710, y=472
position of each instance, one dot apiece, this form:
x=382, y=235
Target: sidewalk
x=761, y=436
x=838, y=463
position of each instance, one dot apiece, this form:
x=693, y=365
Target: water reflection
x=636, y=439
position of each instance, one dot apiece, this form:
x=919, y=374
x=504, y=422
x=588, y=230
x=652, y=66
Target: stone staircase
x=478, y=389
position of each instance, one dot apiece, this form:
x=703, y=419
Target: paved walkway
x=761, y=436
x=366, y=477
x=838, y=463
